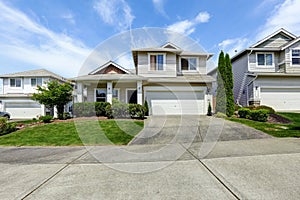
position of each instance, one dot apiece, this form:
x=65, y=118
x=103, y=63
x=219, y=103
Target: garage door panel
x=23, y=110
x=281, y=98
x=176, y=103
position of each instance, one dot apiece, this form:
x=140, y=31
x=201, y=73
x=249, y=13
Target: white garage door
x=176, y=103
x=19, y=110
x=281, y=99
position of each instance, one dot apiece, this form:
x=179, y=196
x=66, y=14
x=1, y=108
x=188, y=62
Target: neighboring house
x=171, y=80
x=268, y=72
x=16, y=91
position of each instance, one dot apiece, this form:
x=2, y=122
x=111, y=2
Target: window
x=295, y=56
x=100, y=95
x=36, y=81
x=115, y=93
x=15, y=82
x=264, y=59
x=156, y=62
x=188, y=64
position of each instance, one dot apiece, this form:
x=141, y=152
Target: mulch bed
x=277, y=119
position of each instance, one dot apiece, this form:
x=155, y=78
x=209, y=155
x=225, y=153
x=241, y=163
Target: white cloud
x=25, y=41
x=232, y=46
x=115, y=13
x=202, y=17
x=69, y=17
x=159, y=6
x=285, y=15
x=189, y=26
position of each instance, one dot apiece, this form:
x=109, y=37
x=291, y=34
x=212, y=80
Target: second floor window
x=36, y=81
x=296, y=57
x=188, y=64
x=156, y=62
x=15, y=82
x=264, y=59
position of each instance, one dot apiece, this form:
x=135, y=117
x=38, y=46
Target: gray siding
x=253, y=63
x=239, y=69
x=276, y=41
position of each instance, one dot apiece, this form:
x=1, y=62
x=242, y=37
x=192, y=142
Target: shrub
x=220, y=115
x=86, y=109
x=237, y=107
x=244, y=113
x=268, y=108
x=146, y=108
x=46, y=118
x=259, y=115
x=209, y=113
x=6, y=127
x=100, y=108
x=137, y=111
x=66, y=115
x=120, y=110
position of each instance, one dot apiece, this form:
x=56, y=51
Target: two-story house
x=268, y=72
x=171, y=80
x=16, y=91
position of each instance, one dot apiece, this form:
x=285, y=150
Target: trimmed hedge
x=260, y=115
x=6, y=127
x=244, y=113
x=115, y=110
x=270, y=109
x=46, y=118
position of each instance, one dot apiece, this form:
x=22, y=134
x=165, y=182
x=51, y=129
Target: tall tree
x=229, y=87
x=221, y=81
x=55, y=94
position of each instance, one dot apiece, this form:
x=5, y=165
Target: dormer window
x=36, y=82
x=15, y=82
x=264, y=59
x=156, y=62
x=295, y=56
x=188, y=64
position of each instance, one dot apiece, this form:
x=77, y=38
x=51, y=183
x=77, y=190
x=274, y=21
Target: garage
x=281, y=99
x=21, y=110
x=183, y=101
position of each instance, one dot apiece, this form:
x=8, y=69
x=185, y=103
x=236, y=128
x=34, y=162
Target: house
x=16, y=91
x=172, y=81
x=268, y=72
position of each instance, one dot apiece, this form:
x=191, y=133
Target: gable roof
x=290, y=43
x=170, y=45
x=34, y=73
x=280, y=31
x=108, y=64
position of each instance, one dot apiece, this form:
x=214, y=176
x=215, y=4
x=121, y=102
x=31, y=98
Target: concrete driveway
x=186, y=129
x=264, y=168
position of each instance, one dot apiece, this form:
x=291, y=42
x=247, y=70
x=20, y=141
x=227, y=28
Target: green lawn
x=84, y=132
x=277, y=130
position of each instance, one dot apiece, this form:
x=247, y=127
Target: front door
x=132, y=96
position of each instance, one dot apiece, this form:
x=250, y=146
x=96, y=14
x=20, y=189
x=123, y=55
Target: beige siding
x=289, y=67
x=144, y=69
x=276, y=41
x=278, y=81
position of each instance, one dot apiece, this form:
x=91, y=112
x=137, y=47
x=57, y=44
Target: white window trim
x=95, y=98
x=15, y=83
x=127, y=89
x=187, y=57
x=36, y=82
x=118, y=93
x=265, y=66
x=164, y=62
x=291, y=57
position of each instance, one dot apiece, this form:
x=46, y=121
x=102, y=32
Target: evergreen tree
x=229, y=87
x=221, y=81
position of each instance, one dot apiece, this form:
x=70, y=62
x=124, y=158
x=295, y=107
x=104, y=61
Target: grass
x=277, y=130
x=83, y=132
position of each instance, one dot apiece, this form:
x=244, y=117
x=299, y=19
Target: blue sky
x=59, y=35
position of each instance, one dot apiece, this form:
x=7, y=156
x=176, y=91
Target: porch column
x=79, y=93
x=109, y=92
x=139, y=89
